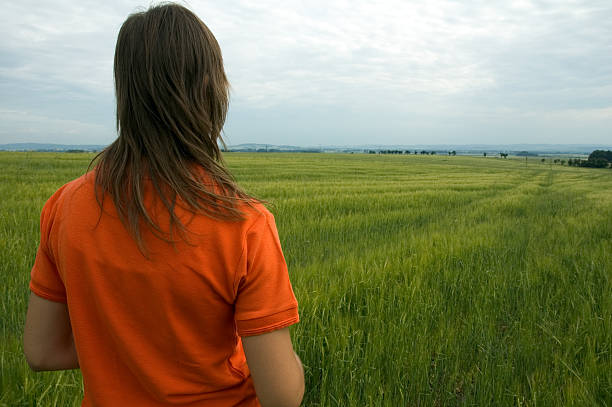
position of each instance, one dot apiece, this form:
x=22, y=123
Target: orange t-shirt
x=163, y=330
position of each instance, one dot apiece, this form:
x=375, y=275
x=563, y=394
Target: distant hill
x=50, y=147
x=513, y=149
x=252, y=147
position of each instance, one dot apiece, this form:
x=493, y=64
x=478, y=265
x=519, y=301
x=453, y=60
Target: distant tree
x=484, y=154
x=598, y=159
x=415, y=152
x=543, y=160
x=605, y=155
x=598, y=163
x=454, y=152
x=562, y=162
x=433, y=153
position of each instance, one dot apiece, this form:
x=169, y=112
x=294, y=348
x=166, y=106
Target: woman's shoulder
x=60, y=202
x=68, y=189
x=256, y=212
x=260, y=221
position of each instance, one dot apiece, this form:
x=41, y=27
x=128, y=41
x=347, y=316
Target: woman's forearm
x=59, y=358
x=48, y=343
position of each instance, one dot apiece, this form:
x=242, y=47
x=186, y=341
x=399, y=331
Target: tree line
x=422, y=152
x=597, y=159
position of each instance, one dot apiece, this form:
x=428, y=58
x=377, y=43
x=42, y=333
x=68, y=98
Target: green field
x=422, y=280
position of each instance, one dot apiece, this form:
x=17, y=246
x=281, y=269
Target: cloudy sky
x=334, y=72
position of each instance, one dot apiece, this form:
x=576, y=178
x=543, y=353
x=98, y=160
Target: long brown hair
x=172, y=98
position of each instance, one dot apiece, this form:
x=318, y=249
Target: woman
x=156, y=274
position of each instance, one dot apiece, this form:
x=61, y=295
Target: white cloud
x=439, y=60
x=15, y=125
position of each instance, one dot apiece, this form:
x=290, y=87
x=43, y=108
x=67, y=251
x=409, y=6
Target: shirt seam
x=268, y=315
x=47, y=293
x=272, y=327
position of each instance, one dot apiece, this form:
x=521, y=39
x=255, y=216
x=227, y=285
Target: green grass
x=428, y=281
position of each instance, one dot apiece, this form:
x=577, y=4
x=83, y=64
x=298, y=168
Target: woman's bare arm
x=277, y=371
x=47, y=339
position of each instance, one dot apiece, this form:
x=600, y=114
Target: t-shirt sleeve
x=45, y=280
x=264, y=299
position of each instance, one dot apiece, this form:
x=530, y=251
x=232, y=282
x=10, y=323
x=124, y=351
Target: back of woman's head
x=171, y=88
x=172, y=98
